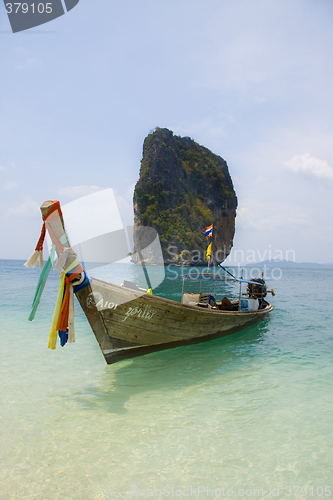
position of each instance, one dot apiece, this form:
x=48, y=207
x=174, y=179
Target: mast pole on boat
x=240, y=293
x=144, y=269
x=183, y=284
x=211, y=251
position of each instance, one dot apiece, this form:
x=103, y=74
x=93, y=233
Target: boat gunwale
x=179, y=305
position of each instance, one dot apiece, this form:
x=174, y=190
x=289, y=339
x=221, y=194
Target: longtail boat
x=128, y=322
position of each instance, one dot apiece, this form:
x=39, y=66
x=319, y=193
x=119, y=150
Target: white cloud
x=206, y=131
x=283, y=220
x=261, y=179
x=10, y=185
x=2, y=168
x=276, y=215
x=306, y=163
x=244, y=216
x=27, y=63
x=28, y=206
x=74, y=192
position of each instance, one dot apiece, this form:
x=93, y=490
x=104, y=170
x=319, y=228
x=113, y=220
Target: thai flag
x=208, y=231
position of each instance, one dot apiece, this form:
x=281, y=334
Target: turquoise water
x=245, y=412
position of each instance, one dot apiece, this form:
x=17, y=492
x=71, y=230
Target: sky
x=251, y=80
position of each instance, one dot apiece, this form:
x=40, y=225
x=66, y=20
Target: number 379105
x=39, y=8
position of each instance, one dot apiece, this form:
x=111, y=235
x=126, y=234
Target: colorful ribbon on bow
x=37, y=255
x=63, y=318
x=43, y=278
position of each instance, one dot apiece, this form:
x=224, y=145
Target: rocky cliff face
x=184, y=187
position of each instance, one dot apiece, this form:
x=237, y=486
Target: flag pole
x=208, y=232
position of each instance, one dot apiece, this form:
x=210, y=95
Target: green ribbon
x=43, y=278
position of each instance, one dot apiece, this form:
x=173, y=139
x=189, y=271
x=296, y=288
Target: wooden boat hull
x=127, y=323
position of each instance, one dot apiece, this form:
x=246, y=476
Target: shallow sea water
x=249, y=411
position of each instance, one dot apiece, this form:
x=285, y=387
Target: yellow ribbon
x=209, y=251
x=71, y=332
x=54, y=332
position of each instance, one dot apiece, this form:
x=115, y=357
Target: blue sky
x=251, y=80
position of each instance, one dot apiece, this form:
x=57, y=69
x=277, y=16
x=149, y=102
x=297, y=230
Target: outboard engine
x=258, y=289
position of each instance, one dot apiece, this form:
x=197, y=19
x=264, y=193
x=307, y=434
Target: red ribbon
x=47, y=219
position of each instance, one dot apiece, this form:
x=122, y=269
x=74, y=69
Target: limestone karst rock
x=184, y=187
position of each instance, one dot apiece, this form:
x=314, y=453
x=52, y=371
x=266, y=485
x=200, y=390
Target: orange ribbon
x=62, y=323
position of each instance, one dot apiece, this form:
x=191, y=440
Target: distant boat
x=128, y=322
